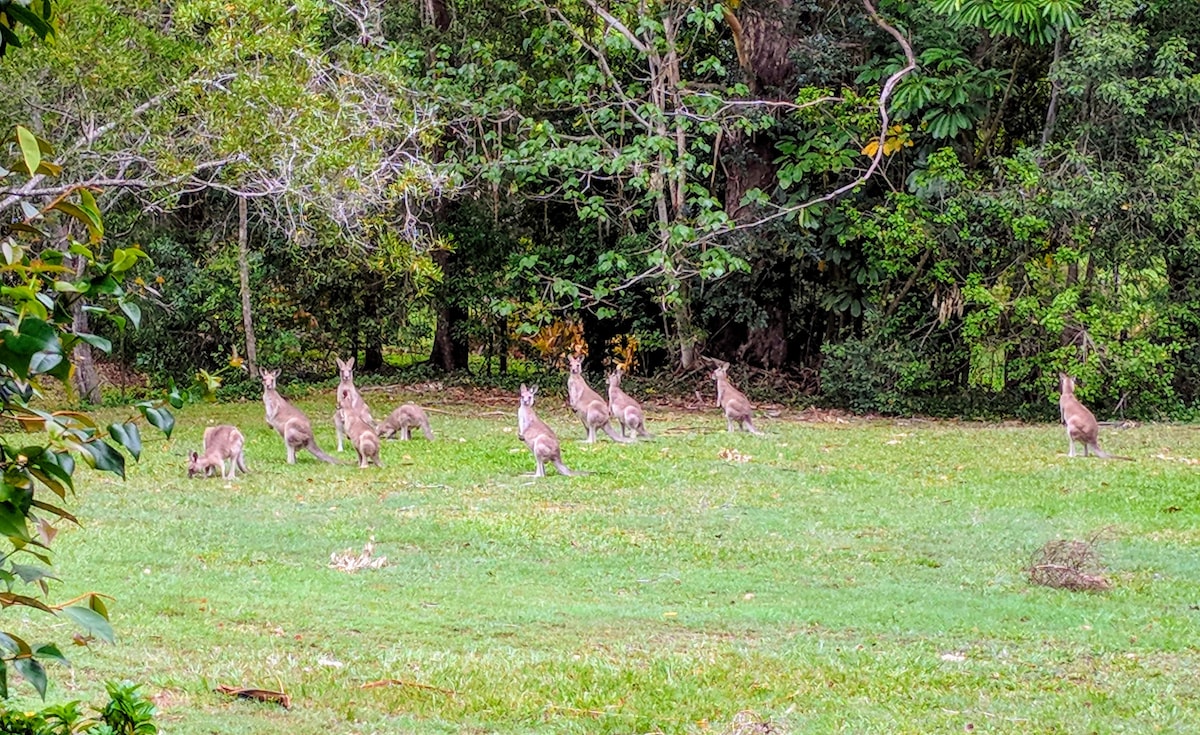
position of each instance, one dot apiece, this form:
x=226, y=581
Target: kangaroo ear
x=194, y=456
x=533, y=390
x=350, y=364
x=524, y=389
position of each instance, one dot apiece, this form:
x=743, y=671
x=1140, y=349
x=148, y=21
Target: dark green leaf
x=29, y=573
x=159, y=418
x=12, y=521
x=91, y=621
x=13, y=644
x=127, y=435
x=103, y=457
x=96, y=341
x=33, y=672
x=51, y=652
x=49, y=363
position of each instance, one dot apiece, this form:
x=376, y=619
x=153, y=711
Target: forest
x=896, y=206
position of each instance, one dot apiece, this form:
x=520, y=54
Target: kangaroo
x=627, y=411
x=403, y=419
x=1081, y=423
x=289, y=421
x=538, y=436
x=587, y=403
x=737, y=406
x=220, y=443
x=362, y=437
x=348, y=398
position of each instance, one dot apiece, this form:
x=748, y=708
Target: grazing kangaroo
x=220, y=443
x=403, y=419
x=363, y=438
x=348, y=399
x=627, y=411
x=538, y=436
x=1081, y=423
x=587, y=403
x=737, y=406
x=289, y=421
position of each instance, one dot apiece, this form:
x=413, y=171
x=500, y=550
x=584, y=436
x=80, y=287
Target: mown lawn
x=859, y=577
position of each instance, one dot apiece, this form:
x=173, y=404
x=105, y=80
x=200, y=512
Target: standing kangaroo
x=1081, y=423
x=362, y=437
x=220, y=443
x=587, y=403
x=349, y=400
x=737, y=406
x=289, y=421
x=403, y=419
x=538, y=436
x=627, y=411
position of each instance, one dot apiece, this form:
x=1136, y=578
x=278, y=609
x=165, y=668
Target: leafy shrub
x=127, y=712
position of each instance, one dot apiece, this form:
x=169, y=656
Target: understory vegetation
x=458, y=181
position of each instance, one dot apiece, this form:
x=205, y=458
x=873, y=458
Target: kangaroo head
x=576, y=364
x=268, y=379
x=527, y=395
x=721, y=372
x=193, y=464
x=345, y=369
x=1066, y=384
x=614, y=378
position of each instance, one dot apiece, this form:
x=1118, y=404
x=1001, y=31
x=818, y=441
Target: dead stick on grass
x=403, y=683
x=577, y=711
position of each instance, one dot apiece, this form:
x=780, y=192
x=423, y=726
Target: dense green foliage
x=49, y=280
x=459, y=176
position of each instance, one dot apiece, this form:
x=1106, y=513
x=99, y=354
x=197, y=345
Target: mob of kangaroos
x=592, y=410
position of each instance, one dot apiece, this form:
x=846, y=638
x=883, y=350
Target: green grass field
x=863, y=577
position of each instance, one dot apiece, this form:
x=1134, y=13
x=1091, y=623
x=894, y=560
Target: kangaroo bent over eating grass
x=220, y=443
x=403, y=419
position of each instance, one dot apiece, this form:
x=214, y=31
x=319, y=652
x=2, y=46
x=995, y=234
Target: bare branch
x=884, y=123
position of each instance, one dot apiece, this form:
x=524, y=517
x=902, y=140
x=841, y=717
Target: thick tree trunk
x=450, y=348
x=373, y=357
x=244, y=279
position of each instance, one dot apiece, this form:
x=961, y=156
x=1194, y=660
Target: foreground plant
x=50, y=280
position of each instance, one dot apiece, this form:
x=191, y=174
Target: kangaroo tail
x=316, y=452
x=565, y=470
x=1105, y=455
x=608, y=429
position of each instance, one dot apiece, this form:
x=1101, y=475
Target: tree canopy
x=930, y=206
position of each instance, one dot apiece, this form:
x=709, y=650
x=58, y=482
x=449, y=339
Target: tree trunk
x=373, y=357
x=87, y=379
x=244, y=278
x=450, y=348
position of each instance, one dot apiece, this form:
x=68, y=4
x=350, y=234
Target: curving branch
x=885, y=94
